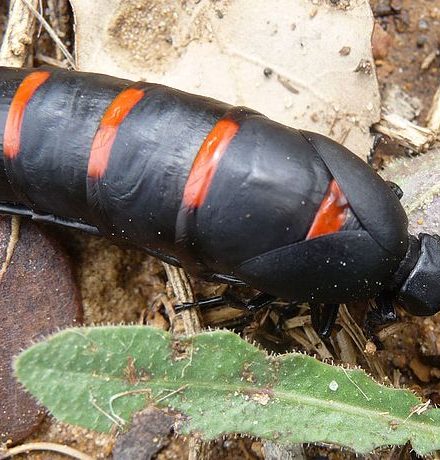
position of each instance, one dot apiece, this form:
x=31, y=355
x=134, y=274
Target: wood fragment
x=392, y=329
x=317, y=343
x=426, y=63
x=190, y=322
x=300, y=338
x=396, y=378
x=405, y=132
x=433, y=118
x=57, y=12
x=287, y=84
x=348, y=352
x=358, y=337
x=297, y=321
x=19, y=32
x=51, y=33
x=185, y=323
x=51, y=61
x=198, y=450
x=273, y=451
x=421, y=370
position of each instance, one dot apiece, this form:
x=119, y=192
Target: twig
x=51, y=33
x=426, y=63
x=297, y=321
x=358, y=337
x=51, y=446
x=405, y=132
x=273, y=451
x=347, y=350
x=197, y=449
x=56, y=9
x=51, y=61
x=433, y=118
x=302, y=340
x=392, y=329
x=18, y=35
x=318, y=344
x=191, y=325
x=171, y=394
x=13, y=240
x=183, y=292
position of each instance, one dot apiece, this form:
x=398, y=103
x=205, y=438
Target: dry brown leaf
x=274, y=56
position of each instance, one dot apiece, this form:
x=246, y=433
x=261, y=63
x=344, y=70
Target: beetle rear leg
x=252, y=306
x=324, y=318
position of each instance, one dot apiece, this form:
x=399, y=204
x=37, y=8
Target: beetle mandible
x=222, y=191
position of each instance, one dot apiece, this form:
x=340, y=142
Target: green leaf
x=98, y=377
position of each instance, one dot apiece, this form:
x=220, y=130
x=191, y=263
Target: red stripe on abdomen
x=332, y=213
x=206, y=162
x=105, y=136
x=14, y=121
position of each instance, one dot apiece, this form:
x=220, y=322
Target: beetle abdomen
x=216, y=188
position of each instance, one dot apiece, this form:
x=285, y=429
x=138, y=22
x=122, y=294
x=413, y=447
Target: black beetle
x=222, y=191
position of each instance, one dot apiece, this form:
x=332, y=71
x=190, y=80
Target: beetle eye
x=420, y=294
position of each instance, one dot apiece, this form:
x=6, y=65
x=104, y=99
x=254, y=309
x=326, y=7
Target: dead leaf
x=419, y=178
x=225, y=52
x=38, y=295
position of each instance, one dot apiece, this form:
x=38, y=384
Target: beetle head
x=420, y=292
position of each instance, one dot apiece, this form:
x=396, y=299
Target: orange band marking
x=14, y=121
x=206, y=162
x=106, y=134
x=332, y=213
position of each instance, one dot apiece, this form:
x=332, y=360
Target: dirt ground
x=413, y=27
x=123, y=285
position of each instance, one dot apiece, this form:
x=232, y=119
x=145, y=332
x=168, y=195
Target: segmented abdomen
x=208, y=184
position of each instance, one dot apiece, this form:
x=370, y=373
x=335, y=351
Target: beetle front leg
x=378, y=138
x=383, y=313
x=324, y=318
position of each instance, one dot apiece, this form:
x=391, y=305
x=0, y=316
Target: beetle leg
x=395, y=188
x=210, y=302
x=384, y=313
x=252, y=306
x=19, y=210
x=377, y=140
x=258, y=302
x=324, y=318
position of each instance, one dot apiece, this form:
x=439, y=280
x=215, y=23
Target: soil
x=414, y=27
x=123, y=285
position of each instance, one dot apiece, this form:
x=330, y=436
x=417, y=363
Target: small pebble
x=402, y=21
x=268, y=72
x=383, y=8
x=345, y=51
x=381, y=42
x=422, y=40
x=423, y=24
x=396, y=5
